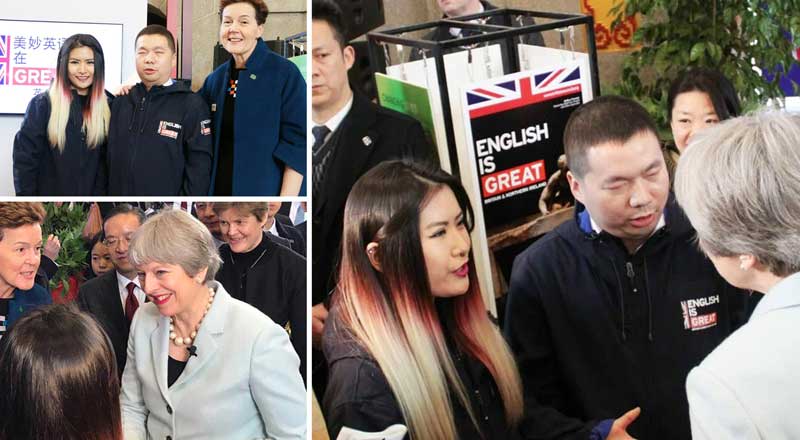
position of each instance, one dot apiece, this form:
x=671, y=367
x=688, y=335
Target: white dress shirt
x=122, y=286
x=335, y=120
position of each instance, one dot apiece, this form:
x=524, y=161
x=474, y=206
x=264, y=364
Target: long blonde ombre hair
x=96, y=113
x=392, y=312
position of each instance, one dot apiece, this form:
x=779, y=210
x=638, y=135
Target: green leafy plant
x=66, y=221
x=737, y=37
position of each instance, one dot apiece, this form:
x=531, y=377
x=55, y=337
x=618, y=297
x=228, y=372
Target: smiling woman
x=20, y=253
x=194, y=344
x=258, y=105
x=258, y=270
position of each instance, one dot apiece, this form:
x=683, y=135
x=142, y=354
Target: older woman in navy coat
x=20, y=253
x=258, y=103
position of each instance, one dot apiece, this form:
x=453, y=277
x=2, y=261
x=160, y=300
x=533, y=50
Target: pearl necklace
x=179, y=341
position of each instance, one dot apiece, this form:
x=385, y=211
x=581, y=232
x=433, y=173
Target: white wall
x=131, y=13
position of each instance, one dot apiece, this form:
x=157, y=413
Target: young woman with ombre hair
x=58, y=150
x=408, y=339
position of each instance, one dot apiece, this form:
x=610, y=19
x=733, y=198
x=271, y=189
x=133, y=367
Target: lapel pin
x=252, y=76
x=213, y=107
x=367, y=141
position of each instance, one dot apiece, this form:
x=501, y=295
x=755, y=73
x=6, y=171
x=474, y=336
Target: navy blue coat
x=597, y=331
x=270, y=121
x=26, y=300
x=159, y=143
x=41, y=169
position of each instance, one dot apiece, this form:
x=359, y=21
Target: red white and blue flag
x=5, y=58
x=537, y=87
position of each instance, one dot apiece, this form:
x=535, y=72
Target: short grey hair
x=739, y=184
x=175, y=237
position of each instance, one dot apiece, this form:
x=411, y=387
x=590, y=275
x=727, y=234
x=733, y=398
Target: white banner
x=29, y=53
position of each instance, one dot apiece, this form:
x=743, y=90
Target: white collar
x=122, y=281
x=272, y=229
x=781, y=295
x=456, y=32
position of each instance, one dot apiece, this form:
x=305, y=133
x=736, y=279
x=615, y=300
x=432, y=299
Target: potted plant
x=751, y=42
x=66, y=221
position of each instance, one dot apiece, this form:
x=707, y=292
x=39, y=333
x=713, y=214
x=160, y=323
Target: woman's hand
x=124, y=89
x=292, y=181
x=319, y=314
x=52, y=247
x=619, y=430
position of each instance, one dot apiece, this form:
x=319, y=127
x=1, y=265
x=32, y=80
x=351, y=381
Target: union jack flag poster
x=5, y=56
x=514, y=127
x=522, y=90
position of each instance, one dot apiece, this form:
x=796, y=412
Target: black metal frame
x=507, y=33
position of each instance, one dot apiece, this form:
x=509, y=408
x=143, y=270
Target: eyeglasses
x=113, y=241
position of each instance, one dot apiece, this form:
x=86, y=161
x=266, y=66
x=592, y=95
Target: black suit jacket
x=100, y=297
x=285, y=228
x=392, y=135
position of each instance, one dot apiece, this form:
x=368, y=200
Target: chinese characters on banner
x=29, y=54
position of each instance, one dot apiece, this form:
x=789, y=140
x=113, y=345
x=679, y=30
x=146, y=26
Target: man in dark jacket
x=280, y=225
x=160, y=133
x=350, y=135
x=610, y=311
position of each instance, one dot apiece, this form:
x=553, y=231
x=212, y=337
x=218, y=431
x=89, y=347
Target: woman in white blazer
x=201, y=364
x=738, y=183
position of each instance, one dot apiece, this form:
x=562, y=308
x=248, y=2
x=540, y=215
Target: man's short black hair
x=329, y=12
x=606, y=119
x=157, y=29
x=125, y=209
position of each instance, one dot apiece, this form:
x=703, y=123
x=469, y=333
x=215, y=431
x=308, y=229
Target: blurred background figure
x=59, y=379
x=282, y=226
x=697, y=99
x=206, y=215
x=739, y=186
x=99, y=257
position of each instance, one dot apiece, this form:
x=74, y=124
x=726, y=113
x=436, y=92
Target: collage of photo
x=399, y=220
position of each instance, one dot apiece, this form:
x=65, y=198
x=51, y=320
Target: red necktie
x=131, y=304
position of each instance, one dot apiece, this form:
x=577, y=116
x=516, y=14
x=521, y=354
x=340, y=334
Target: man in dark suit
x=281, y=225
x=351, y=135
x=114, y=297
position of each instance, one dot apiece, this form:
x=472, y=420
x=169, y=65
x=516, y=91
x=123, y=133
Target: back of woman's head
x=384, y=299
x=59, y=378
x=714, y=84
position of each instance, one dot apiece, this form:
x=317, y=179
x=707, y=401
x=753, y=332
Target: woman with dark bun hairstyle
x=698, y=98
